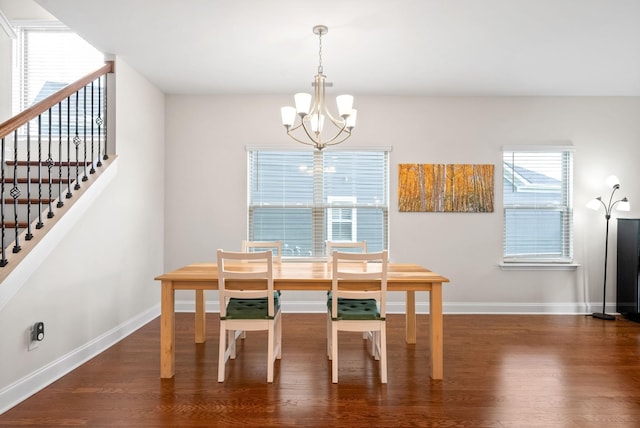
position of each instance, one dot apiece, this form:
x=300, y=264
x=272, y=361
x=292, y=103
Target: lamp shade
x=288, y=116
x=612, y=181
x=345, y=105
x=624, y=205
x=303, y=103
x=595, y=204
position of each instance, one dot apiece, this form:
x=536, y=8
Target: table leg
x=410, y=318
x=167, y=330
x=435, y=310
x=200, y=317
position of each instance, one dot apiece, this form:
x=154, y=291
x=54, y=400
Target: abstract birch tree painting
x=445, y=188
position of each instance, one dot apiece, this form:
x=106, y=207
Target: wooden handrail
x=32, y=112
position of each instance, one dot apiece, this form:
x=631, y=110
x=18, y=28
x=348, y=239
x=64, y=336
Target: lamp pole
x=607, y=211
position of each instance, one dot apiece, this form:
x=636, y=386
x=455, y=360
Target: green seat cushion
x=251, y=309
x=355, y=309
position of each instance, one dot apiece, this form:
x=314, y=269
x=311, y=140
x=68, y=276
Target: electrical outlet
x=35, y=335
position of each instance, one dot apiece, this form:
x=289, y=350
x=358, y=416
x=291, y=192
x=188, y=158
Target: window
x=304, y=198
x=342, y=222
x=48, y=57
x=537, y=200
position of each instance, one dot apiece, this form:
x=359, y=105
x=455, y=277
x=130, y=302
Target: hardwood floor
x=500, y=371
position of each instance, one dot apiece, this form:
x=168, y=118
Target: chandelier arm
x=316, y=140
x=308, y=143
x=331, y=142
x=338, y=134
x=337, y=122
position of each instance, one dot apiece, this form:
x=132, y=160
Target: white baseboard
x=46, y=375
x=517, y=308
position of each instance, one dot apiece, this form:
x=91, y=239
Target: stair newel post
x=3, y=260
x=15, y=191
x=60, y=203
x=28, y=235
x=39, y=225
x=76, y=142
x=49, y=166
x=99, y=120
x=93, y=170
x=84, y=134
x=68, y=195
x=106, y=110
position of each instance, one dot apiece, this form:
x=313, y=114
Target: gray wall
x=206, y=187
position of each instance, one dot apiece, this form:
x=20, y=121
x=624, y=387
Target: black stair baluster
x=39, y=225
x=76, y=142
x=99, y=120
x=15, y=191
x=60, y=203
x=68, y=195
x=3, y=259
x=84, y=133
x=50, y=214
x=106, y=110
x=29, y=235
x=93, y=170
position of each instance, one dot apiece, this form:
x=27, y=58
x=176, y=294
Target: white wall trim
x=46, y=375
x=495, y=308
x=39, y=253
x=6, y=26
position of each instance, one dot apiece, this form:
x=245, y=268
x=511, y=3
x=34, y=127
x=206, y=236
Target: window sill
x=537, y=266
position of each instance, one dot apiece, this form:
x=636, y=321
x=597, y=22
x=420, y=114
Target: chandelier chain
x=320, y=69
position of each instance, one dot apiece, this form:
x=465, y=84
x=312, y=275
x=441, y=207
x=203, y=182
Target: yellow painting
x=445, y=188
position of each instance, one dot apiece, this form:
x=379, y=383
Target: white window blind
x=304, y=198
x=537, y=201
x=48, y=57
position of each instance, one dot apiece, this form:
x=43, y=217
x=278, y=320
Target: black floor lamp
x=622, y=205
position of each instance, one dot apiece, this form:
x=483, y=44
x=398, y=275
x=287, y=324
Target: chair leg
x=375, y=341
x=329, y=336
x=382, y=334
x=222, y=357
x=270, y=354
x=334, y=352
x=279, y=337
x=232, y=344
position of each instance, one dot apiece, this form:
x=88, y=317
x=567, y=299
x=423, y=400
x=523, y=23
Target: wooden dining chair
x=275, y=246
x=349, y=246
x=247, y=303
x=358, y=309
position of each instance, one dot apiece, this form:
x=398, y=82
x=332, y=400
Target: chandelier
x=310, y=128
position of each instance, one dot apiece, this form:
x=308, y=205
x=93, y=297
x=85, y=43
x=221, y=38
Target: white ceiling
x=374, y=47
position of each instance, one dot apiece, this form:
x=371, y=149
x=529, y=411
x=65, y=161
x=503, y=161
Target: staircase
x=49, y=154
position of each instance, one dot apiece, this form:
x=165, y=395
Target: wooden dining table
x=299, y=276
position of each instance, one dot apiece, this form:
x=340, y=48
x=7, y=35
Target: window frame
x=319, y=204
x=20, y=74
x=565, y=207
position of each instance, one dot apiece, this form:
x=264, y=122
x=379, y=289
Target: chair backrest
x=353, y=247
x=239, y=279
x=350, y=268
x=274, y=246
